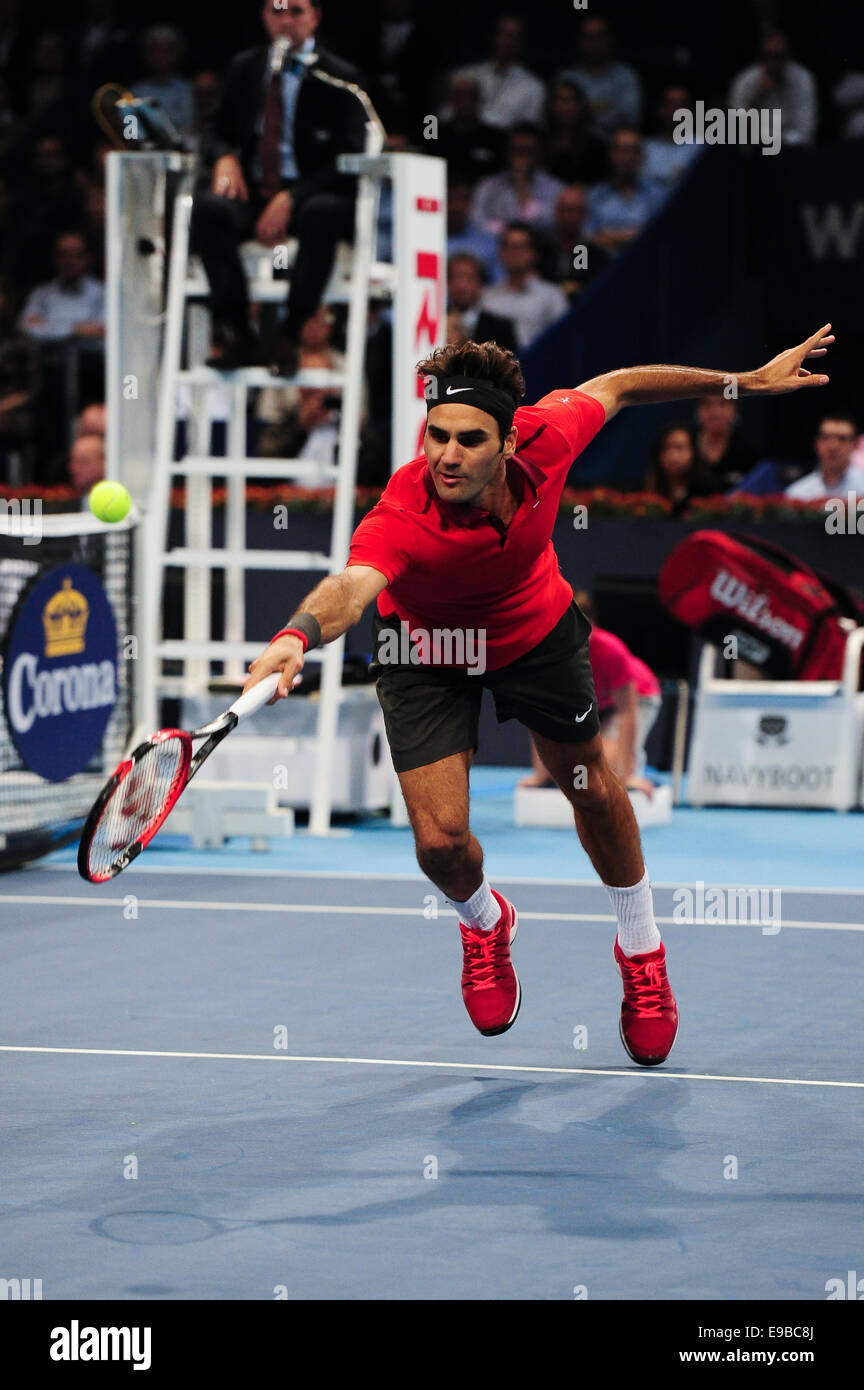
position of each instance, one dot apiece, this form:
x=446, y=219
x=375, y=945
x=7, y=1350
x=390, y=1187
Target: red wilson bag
x=785, y=615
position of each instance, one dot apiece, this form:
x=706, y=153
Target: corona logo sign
x=64, y=619
x=60, y=672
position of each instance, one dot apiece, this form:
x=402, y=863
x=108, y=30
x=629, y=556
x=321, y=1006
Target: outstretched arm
x=646, y=385
x=338, y=602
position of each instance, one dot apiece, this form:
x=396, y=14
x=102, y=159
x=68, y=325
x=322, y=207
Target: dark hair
x=656, y=479
x=484, y=361
x=526, y=128
x=840, y=415
x=523, y=227
x=468, y=256
x=574, y=87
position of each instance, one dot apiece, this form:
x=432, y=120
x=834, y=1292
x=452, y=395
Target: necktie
x=271, y=139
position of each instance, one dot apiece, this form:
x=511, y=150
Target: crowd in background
x=559, y=147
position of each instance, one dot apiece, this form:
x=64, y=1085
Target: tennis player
x=458, y=554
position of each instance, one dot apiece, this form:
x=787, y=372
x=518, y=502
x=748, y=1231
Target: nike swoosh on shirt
x=579, y=717
x=454, y=390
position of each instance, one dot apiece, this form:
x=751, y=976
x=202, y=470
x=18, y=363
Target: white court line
x=205, y=872
x=459, y=1066
x=353, y=910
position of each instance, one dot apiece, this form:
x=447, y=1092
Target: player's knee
x=591, y=786
x=440, y=847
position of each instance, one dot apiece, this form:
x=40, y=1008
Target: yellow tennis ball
x=110, y=501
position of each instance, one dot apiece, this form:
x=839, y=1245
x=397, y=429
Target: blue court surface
x=229, y=1075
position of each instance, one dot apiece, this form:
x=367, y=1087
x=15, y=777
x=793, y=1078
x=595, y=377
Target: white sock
x=481, y=909
x=637, y=930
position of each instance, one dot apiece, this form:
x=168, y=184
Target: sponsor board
x=60, y=671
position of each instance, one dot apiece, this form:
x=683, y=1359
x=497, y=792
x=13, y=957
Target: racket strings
x=140, y=801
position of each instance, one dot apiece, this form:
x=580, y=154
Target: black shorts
x=431, y=712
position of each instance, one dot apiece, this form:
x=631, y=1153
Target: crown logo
x=64, y=619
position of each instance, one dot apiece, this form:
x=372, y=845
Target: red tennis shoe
x=649, y=1014
x=490, y=986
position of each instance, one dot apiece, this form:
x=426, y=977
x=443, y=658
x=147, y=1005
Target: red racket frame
x=110, y=790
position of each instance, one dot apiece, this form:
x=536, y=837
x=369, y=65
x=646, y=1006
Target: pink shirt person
x=615, y=666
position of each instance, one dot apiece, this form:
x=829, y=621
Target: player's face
x=463, y=449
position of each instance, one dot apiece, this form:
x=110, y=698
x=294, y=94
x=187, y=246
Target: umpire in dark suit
x=278, y=133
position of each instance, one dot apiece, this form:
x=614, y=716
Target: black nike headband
x=440, y=390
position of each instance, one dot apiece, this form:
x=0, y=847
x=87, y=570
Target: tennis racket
x=146, y=786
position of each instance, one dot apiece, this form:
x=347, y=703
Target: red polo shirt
x=451, y=565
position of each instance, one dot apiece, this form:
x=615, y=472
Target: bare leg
x=604, y=816
x=436, y=797
x=539, y=777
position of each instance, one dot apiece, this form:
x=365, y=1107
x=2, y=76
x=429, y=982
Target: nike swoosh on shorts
x=579, y=717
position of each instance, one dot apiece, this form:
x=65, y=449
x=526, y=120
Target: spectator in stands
x=86, y=465
x=574, y=151
x=724, y=455
x=524, y=192
x=847, y=96
x=508, y=91
x=46, y=82
x=108, y=46
x=276, y=404
x=531, y=303
x=614, y=90
x=71, y=305
x=835, y=476
x=91, y=420
x=465, y=295
x=464, y=139
x=19, y=388
x=675, y=471
x=575, y=259
x=162, y=51
x=628, y=703
x=777, y=83
x=462, y=234
x=400, y=62
x=310, y=432
x=46, y=200
x=279, y=139
x=664, y=160
x=619, y=208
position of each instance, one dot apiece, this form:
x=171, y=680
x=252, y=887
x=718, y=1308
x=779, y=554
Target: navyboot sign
x=60, y=671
